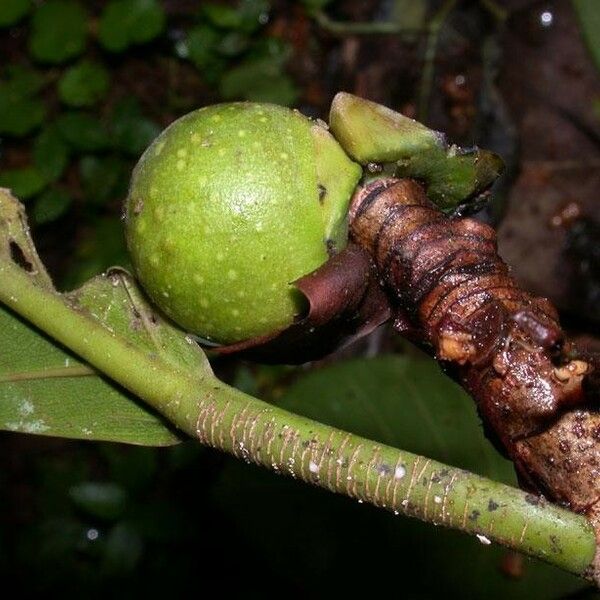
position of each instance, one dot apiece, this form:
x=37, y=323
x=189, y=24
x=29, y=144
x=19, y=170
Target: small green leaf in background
x=12, y=11
x=123, y=550
x=20, y=111
x=201, y=48
x=24, y=182
x=254, y=13
x=50, y=153
x=105, y=501
x=50, y=205
x=247, y=17
x=58, y=31
x=315, y=5
x=131, y=131
x=127, y=22
x=83, y=131
x=103, y=178
x=83, y=84
x=259, y=81
x=588, y=14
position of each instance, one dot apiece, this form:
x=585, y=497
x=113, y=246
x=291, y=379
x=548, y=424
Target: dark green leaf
x=12, y=11
x=24, y=183
x=102, y=500
x=132, y=132
x=201, y=47
x=50, y=205
x=223, y=16
x=103, y=178
x=588, y=14
x=83, y=84
x=58, y=31
x=22, y=81
x=315, y=5
x=20, y=112
x=50, y=153
x=83, y=131
x=259, y=80
x=123, y=549
x=127, y=22
x=254, y=13
x=233, y=44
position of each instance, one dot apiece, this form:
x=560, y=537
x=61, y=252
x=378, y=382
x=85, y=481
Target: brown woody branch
x=452, y=292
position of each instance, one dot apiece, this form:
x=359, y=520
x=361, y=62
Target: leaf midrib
x=74, y=371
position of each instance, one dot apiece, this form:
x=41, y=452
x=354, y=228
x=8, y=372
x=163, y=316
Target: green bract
x=228, y=207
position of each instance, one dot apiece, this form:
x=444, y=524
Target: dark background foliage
x=85, y=86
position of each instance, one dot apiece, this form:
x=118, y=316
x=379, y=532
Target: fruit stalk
x=452, y=292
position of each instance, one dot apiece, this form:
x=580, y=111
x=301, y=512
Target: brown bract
x=345, y=302
x=453, y=292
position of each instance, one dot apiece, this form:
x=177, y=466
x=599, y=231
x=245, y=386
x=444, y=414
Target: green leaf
x=131, y=131
x=46, y=390
x=50, y=153
x=223, y=16
x=12, y=11
x=51, y=205
x=254, y=13
x=83, y=131
x=201, y=48
x=58, y=31
x=24, y=182
x=589, y=23
x=20, y=112
x=105, y=501
x=84, y=84
x=127, y=22
x=259, y=80
x=103, y=178
x=404, y=402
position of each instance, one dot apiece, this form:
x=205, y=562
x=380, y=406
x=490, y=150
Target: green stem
x=286, y=443
x=429, y=58
x=342, y=28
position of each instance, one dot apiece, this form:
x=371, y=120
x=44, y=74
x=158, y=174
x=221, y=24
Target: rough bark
x=537, y=397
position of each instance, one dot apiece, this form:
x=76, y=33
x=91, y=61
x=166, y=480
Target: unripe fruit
x=229, y=206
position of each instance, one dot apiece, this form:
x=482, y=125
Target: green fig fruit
x=228, y=207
